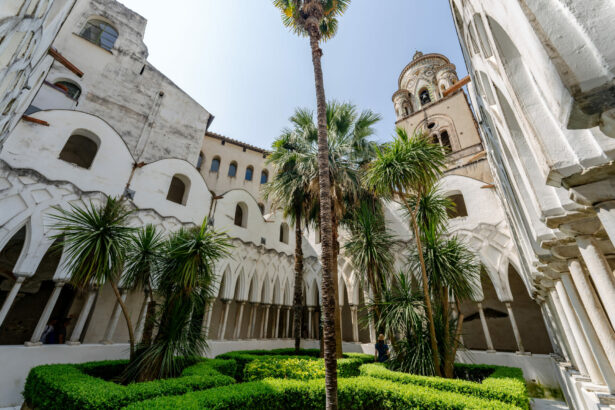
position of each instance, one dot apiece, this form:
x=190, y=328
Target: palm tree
x=289, y=190
x=143, y=258
x=185, y=283
x=94, y=240
x=408, y=167
x=317, y=19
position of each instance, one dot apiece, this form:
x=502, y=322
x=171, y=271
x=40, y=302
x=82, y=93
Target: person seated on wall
x=381, y=354
x=50, y=336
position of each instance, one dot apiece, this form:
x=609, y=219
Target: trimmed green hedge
x=365, y=393
x=505, y=384
x=300, y=368
x=83, y=386
x=346, y=367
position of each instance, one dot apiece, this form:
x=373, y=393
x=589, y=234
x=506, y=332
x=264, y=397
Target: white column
x=207, y=319
x=372, y=330
x=355, y=322
x=483, y=322
x=44, y=319
x=277, y=322
x=600, y=272
x=551, y=330
x=594, y=323
x=10, y=298
x=239, y=318
x=141, y=320
x=83, y=317
x=513, y=323
x=606, y=214
x=579, y=337
x=309, y=322
x=288, y=324
x=222, y=330
x=115, y=317
x=568, y=336
x=252, y=320
x=266, y=321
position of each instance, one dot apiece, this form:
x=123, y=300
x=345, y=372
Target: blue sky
x=239, y=62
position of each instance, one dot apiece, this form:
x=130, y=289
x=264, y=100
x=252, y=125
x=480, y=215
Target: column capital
x=59, y=283
x=226, y=301
x=20, y=278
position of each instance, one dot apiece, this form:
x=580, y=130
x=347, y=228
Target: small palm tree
x=317, y=19
x=289, y=190
x=94, y=241
x=185, y=283
x=143, y=259
x=407, y=168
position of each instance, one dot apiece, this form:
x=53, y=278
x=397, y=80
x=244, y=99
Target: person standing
x=381, y=354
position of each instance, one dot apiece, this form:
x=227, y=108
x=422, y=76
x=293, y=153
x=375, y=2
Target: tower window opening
x=232, y=169
x=424, y=97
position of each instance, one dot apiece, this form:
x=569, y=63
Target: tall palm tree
x=94, y=240
x=185, y=283
x=143, y=259
x=289, y=190
x=408, y=167
x=317, y=19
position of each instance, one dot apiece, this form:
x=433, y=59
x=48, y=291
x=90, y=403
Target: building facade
x=542, y=88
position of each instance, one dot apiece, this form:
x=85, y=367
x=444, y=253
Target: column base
x=490, y=351
x=71, y=343
x=33, y=344
x=106, y=342
x=523, y=353
x=606, y=399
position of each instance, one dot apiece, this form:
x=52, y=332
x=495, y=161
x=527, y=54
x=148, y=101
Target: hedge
x=505, y=384
x=83, y=386
x=243, y=357
x=300, y=368
x=353, y=393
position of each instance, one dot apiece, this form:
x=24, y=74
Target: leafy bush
x=505, y=384
x=83, y=386
x=353, y=393
x=299, y=368
x=346, y=367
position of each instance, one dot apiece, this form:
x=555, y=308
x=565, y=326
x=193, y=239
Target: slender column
x=355, y=323
x=35, y=340
x=222, y=330
x=288, y=324
x=266, y=321
x=309, y=321
x=207, y=319
x=575, y=353
x=513, y=323
x=372, y=330
x=10, y=298
x=606, y=214
x=115, y=317
x=553, y=337
x=579, y=337
x=251, y=320
x=600, y=272
x=593, y=321
x=483, y=322
x=141, y=321
x=277, y=322
x=238, y=319
x=83, y=317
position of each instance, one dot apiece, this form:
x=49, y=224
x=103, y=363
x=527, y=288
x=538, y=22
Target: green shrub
x=505, y=384
x=353, y=393
x=299, y=368
x=83, y=386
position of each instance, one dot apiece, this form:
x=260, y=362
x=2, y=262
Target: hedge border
x=366, y=393
x=299, y=368
x=72, y=386
x=505, y=384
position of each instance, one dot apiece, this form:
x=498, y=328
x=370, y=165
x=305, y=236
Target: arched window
x=249, y=173
x=424, y=96
x=232, y=169
x=199, y=162
x=100, y=33
x=284, y=232
x=445, y=140
x=459, y=208
x=482, y=36
x=178, y=190
x=71, y=90
x=79, y=150
x=261, y=206
x=264, y=176
x=215, y=165
x=241, y=215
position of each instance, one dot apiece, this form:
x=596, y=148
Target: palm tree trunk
x=297, y=301
x=148, y=327
x=426, y=296
x=336, y=287
x=131, y=334
x=449, y=366
x=324, y=185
